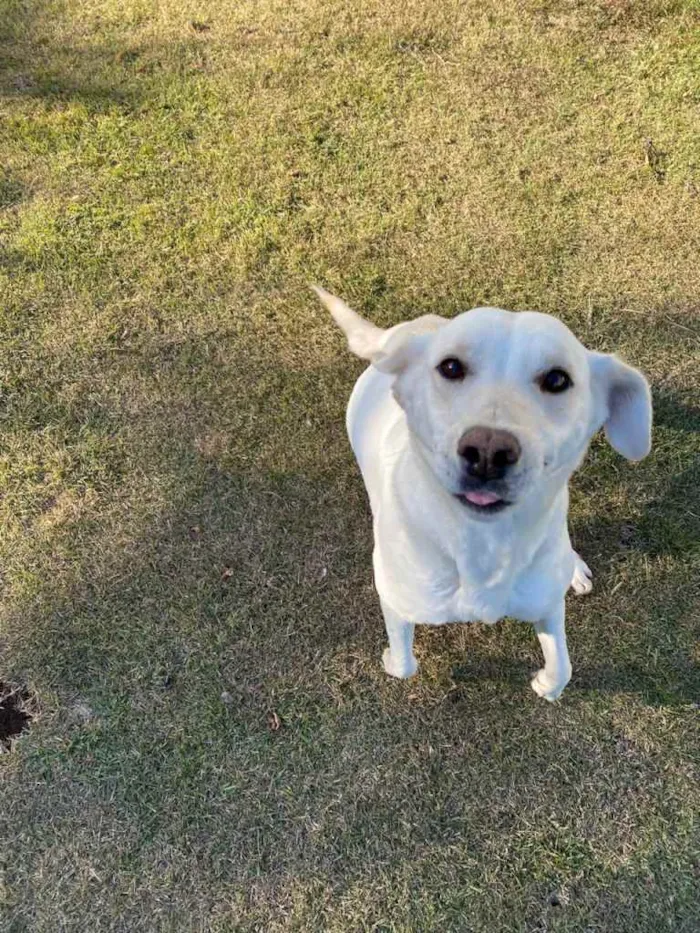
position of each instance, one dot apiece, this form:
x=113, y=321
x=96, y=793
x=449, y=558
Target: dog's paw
x=404, y=669
x=544, y=688
x=582, y=581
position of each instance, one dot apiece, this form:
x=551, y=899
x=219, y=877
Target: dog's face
x=503, y=404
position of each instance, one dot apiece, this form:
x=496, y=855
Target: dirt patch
x=16, y=712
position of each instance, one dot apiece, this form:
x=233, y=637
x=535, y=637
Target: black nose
x=488, y=452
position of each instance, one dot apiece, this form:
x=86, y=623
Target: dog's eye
x=555, y=381
x=451, y=368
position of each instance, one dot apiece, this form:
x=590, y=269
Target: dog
x=466, y=431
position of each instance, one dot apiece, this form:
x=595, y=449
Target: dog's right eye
x=451, y=368
x=556, y=381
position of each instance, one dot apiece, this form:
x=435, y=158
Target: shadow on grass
x=12, y=191
x=256, y=571
x=654, y=689
x=101, y=75
x=264, y=572
x=668, y=522
x=670, y=412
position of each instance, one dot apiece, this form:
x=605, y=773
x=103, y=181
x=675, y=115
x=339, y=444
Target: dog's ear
x=625, y=405
x=389, y=350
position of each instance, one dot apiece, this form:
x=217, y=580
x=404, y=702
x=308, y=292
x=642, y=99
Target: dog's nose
x=488, y=452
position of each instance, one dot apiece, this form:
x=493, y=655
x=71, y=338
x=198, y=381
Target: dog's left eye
x=451, y=368
x=555, y=381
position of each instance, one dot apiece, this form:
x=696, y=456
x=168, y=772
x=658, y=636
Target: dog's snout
x=489, y=452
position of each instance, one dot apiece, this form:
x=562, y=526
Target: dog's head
x=503, y=404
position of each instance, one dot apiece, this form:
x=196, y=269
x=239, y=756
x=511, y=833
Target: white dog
x=466, y=432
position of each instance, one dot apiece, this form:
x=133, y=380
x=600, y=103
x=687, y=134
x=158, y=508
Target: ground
x=185, y=543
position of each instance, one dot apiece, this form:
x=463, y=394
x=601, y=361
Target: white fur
x=435, y=560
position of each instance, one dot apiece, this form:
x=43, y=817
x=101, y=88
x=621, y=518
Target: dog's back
x=375, y=425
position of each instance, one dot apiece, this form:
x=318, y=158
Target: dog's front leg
x=398, y=658
x=556, y=673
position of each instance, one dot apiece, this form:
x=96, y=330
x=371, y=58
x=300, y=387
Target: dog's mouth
x=482, y=502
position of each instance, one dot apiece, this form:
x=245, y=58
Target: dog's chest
x=478, y=605
x=481, y=581
x=526, y=596
x=494, y=581
x=442, y=570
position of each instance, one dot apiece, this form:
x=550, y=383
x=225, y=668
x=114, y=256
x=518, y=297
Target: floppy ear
x=388, y=350
x=626, y=405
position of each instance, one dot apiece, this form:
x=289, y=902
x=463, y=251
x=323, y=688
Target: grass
x=185, y=544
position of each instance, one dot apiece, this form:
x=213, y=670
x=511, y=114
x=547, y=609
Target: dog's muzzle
x=488, y=454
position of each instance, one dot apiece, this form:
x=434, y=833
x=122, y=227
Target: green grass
x=181, y=517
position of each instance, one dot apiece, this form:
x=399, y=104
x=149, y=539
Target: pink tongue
x=482, y=498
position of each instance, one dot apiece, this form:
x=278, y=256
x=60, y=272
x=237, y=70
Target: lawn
x=185, y=544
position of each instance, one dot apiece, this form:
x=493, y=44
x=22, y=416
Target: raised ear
x=389, y=350
x=625, y=400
